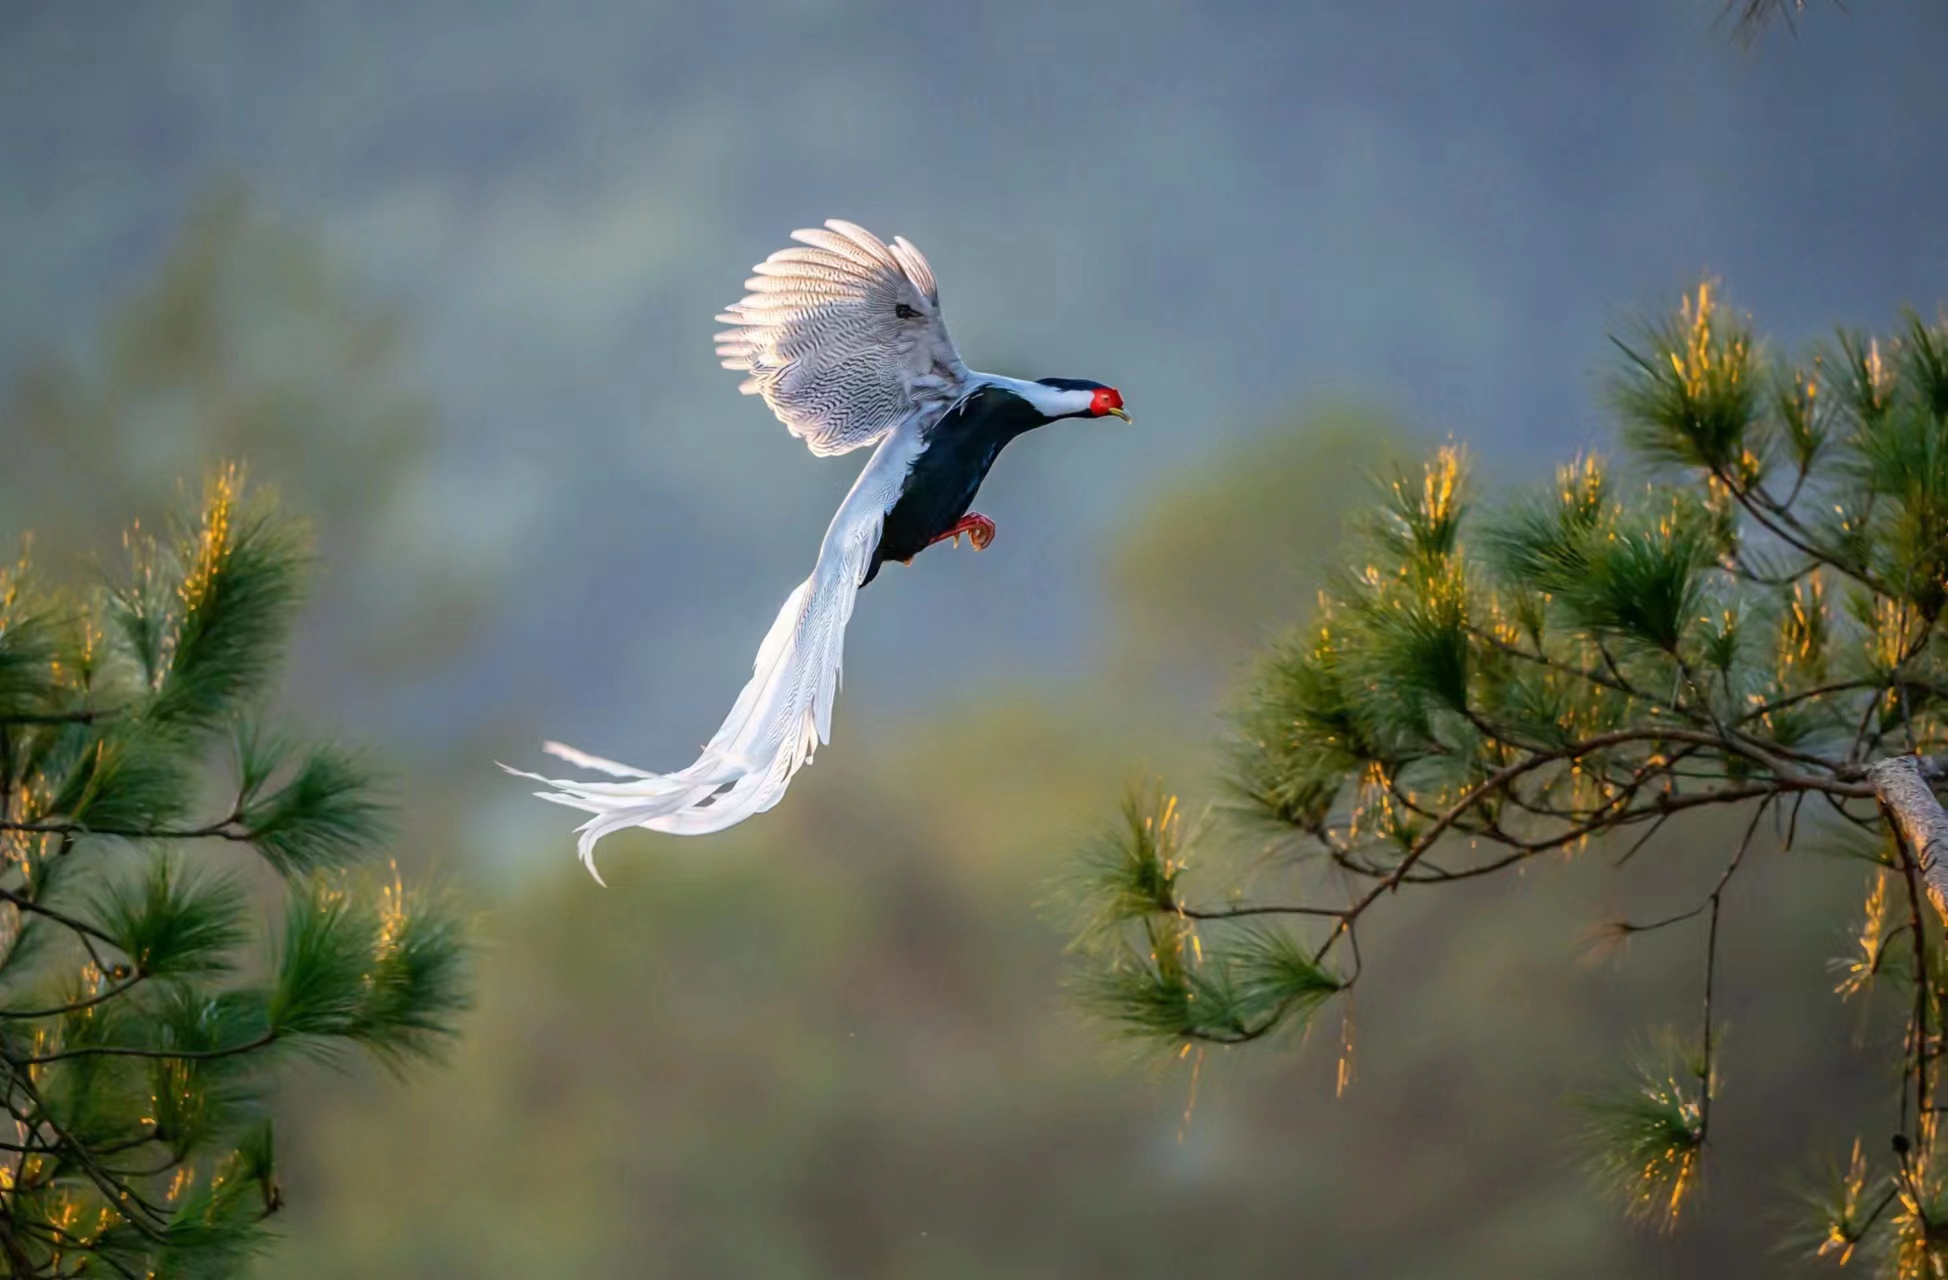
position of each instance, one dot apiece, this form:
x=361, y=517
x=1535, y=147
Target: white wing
x=843, y=337
x=782, y=715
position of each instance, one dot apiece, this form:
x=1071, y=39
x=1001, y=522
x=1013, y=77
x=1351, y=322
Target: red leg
x=978, y=528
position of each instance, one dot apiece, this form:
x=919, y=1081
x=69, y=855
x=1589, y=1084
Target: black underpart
x=948, y=473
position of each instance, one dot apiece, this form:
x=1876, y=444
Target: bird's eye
x=905, y=312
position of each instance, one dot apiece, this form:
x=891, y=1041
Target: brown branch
x=1237, y=913
x=1788, y=529
x=59, y=1010
x=1740, y=568
x=137, y=1051
x=1711, y=968
x=1817, y=691
x=1783, y=779
x=1901, y=787
x=1555, y=664
x=227, y=829
x=1631, y=927
x=86, y=716
x=57, y=1236
x=81, y=927
x=115, y=1190
x=1642, y=840
x=1495, y=782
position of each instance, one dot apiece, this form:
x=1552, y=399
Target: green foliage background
x=837, y=1048
x=150, y=983
x=837, y=1043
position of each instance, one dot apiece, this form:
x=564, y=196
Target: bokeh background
x=442, y=274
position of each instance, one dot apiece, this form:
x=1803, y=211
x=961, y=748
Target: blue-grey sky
x=1224, y=209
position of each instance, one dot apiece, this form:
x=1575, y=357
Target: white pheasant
x=842, y=336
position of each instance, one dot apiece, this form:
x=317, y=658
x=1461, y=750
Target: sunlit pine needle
x=1190, y=1102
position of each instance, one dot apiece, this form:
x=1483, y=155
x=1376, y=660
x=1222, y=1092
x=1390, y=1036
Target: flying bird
x=842, y=336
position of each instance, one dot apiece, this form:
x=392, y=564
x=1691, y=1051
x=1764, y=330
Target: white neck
x=1051, y=402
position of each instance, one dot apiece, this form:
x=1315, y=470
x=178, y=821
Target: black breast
x=948, y=473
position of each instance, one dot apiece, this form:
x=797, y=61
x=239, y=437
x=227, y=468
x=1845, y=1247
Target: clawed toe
x=978, y=528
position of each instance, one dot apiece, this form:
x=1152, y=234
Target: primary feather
x=842, y=337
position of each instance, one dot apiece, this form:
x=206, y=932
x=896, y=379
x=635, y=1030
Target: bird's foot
x=978, y=528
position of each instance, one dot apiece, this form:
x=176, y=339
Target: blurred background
x=443, y=274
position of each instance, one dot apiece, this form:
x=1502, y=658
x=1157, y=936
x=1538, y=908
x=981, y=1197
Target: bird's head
x=1079, y=398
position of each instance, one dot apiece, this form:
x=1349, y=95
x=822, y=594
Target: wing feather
x=915, y=265
x=842, y=336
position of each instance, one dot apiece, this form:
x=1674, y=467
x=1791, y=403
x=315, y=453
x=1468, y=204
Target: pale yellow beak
x=1123, y=414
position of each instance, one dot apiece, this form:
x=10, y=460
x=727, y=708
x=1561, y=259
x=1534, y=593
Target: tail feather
x=783, y=713
x=782, y=716
x=583, y=760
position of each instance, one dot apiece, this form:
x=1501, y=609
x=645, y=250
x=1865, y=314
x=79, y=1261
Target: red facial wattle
x=1108, y=400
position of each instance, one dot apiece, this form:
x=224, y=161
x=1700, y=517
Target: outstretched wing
x=842, y=337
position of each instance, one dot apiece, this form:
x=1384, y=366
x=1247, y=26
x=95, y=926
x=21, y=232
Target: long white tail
x=784, y=712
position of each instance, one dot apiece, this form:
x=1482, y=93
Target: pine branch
x=132, y=1062
x=41, y=718
x=1759, y=624
x=264, y=1041
x=1899, y=783
x=66, y=921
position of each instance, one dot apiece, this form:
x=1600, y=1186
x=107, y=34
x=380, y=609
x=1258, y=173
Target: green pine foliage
x=1646, y=1136
x=147, y=999
x=1744, y=613
x=1150, y=973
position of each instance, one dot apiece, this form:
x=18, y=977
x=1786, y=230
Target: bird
x=841, y=335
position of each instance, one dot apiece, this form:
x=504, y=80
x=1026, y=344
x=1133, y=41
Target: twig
x=83, y=716
x=1643, y=840
x=227, y=829
x=58, y=1010
x=1711, y=966
x=138, y=1051
x=1238, y=913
